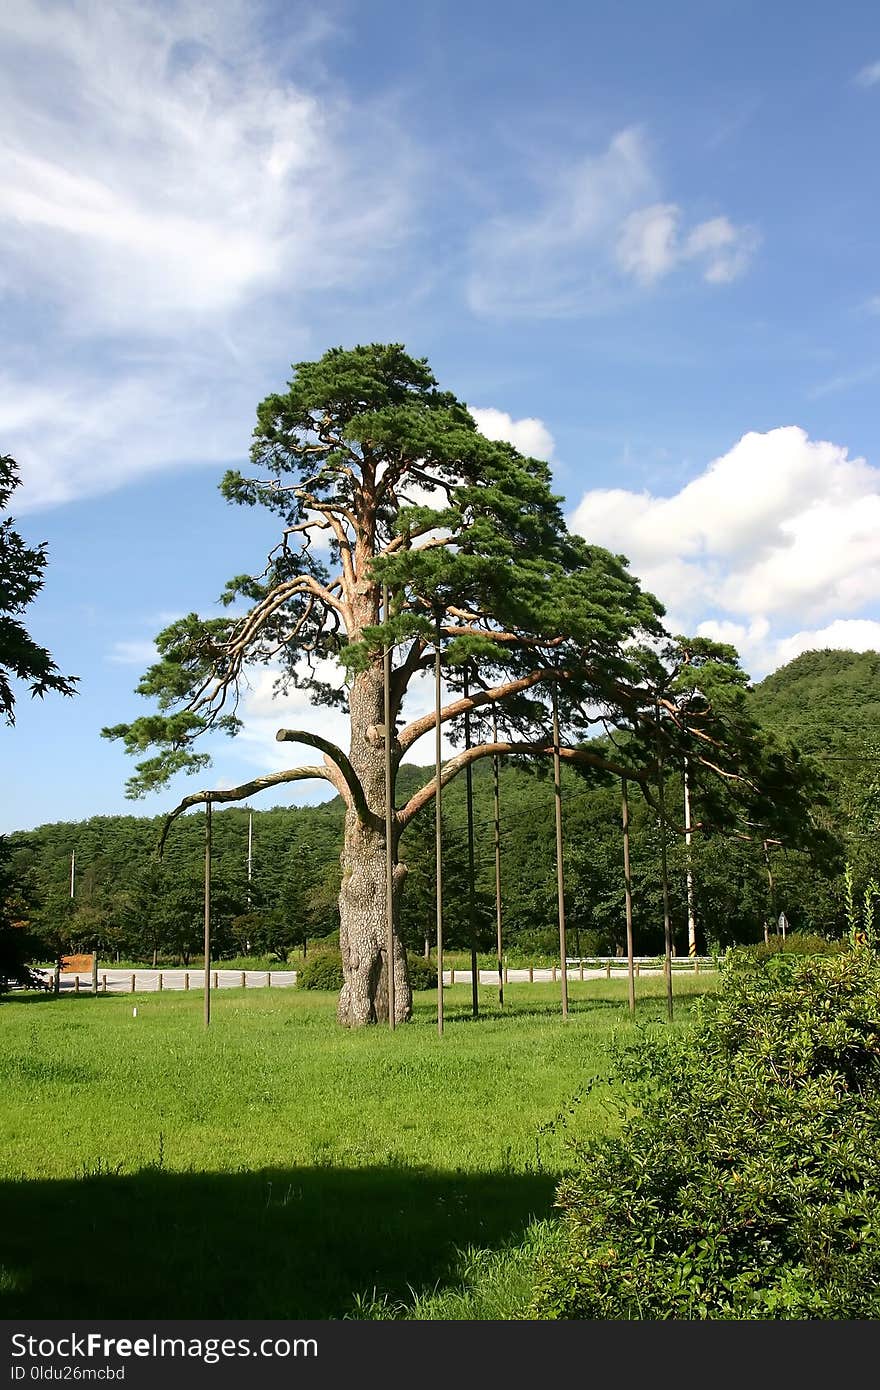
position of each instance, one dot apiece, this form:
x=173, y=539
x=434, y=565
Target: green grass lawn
x=278, y=1166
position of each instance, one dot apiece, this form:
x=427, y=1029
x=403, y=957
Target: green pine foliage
x=21, y=579
x=747, y=1183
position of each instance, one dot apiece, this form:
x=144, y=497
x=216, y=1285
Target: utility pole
x=389, y=823
x=689, y=872
x=627, y=886
x=207, y=908
x=496, y=799
x=438, y=828
x=72, y=869
x=250, y=856
x=560, y=871
x=472, y=905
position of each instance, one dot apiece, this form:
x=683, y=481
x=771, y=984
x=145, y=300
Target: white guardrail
x=153, y=981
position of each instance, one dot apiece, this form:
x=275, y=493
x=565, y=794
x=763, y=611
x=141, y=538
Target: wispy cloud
x=175, y=172
x=171, y=200
x=132, y=653
x=869, y=75
x=845, y=381
x=597, y=231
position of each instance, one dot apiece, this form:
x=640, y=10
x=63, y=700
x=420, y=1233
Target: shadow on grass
x=649, y=1007
x=276, y=1243
x=42, y=996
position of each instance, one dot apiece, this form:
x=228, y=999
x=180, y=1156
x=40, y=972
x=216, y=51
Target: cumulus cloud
x=530, y=435
x=780, y=530
x=762, y=651
x=598, y=228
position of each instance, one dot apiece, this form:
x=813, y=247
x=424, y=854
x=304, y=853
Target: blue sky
x=638, y=240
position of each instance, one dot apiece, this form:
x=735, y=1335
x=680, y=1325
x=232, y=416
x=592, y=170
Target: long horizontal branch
x=337, y=757
x=542, y=748
x=418, y=727
x=259, y=784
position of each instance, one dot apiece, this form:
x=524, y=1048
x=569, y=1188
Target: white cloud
x=852, y=634
x=86, y=434
x=530, y=435
x=171, y=197
x=132, y=653
x=780, y=530
x=648, y=248
x=598, y=227
x=650, y=245
x=263, y=713
x=539, y=262
x=762, y=652
x=157, y=168
x=869, y=76
x=723, y=249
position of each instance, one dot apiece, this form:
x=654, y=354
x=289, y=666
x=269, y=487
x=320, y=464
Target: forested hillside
x=826, y=702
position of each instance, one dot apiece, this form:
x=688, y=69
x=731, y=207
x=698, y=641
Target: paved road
x=149, y=981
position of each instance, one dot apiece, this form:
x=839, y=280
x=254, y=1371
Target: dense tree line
x=133, y=904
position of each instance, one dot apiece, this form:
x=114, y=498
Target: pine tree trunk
x=362, y=899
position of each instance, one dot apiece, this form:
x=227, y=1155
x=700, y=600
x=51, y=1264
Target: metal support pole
x=72, y=869
x=438, y=827
x=472, y=902
x=689, y=871
x=772, y=889
x=207, y=908
x=389, y=824
x=250, y=858
x=627, y=886
x=496, y=799
x=664, y=874
x=560, y=872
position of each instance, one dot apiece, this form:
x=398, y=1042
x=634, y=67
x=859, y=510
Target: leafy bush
x=747, y=1185
x=422, y=973
x=793, y=944
x=323, y=970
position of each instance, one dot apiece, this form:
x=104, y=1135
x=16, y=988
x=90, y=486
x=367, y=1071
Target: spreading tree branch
x=543, y=748
x=336, y=756
x=259, y=784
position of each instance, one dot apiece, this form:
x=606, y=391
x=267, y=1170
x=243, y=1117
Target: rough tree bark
x=362, y=924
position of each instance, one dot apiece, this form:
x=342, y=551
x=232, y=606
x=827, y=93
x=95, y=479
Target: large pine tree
x=364, y=451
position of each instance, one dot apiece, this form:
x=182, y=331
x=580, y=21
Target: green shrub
x=422, y=973
x=323, y=970
x=747, y=1184
x=793, y=944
